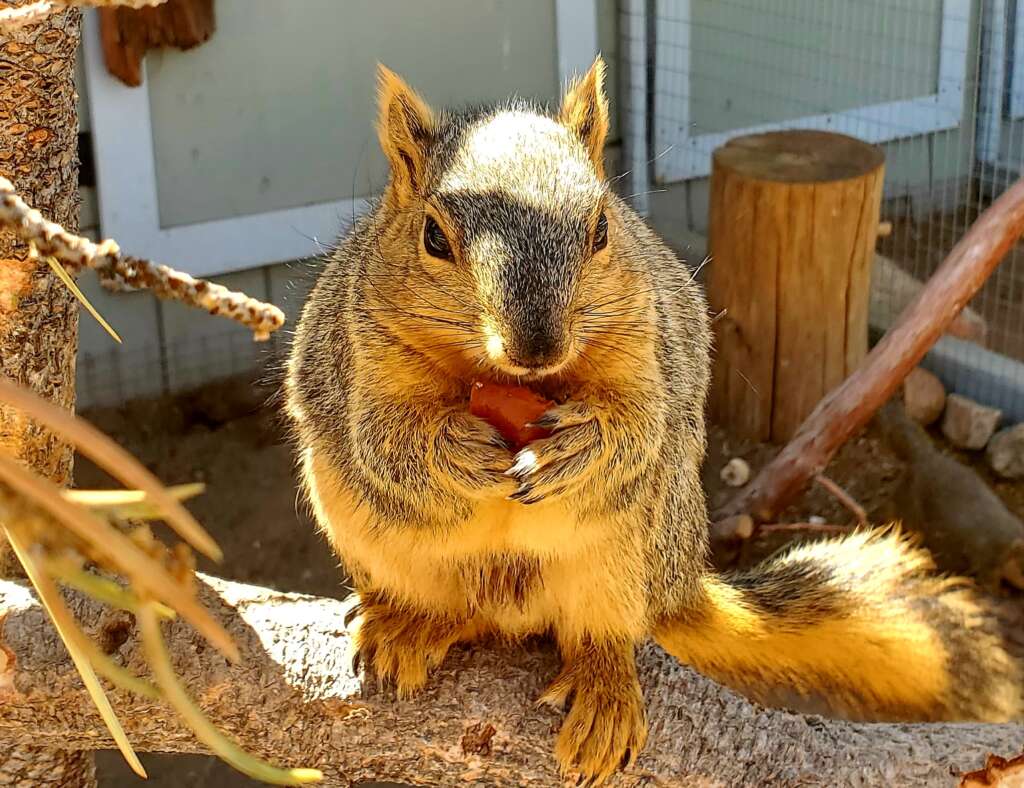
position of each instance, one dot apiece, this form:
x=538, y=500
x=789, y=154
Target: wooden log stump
x=794, y=220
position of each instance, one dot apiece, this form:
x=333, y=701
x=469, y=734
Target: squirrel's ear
x=405, y=126
x=585, y=112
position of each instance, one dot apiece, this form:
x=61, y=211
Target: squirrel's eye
x=434, y=240
x=601, y=233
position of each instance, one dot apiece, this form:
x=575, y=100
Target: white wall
x=277, y=110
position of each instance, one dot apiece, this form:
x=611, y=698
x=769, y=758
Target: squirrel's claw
x=606, y=723
x=522, y=494
x=525, y=464
x=527, y=495
x=571, y=414
x=356, y=649
x=353, y=612
x=550, y=467
x=398, y=646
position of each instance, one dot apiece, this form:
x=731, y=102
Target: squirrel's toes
x=606, y=724
x=398, y=644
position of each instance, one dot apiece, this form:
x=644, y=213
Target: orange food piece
x=509, y=409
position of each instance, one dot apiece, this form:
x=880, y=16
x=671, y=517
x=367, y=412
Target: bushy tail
x=861, y=621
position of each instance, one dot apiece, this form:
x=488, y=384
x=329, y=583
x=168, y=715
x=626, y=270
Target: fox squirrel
x=498, y=250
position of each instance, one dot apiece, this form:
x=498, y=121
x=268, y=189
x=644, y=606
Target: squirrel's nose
x=537, y=348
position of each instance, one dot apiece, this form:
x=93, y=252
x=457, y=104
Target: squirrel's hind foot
x=606, y=725
x=398, y=644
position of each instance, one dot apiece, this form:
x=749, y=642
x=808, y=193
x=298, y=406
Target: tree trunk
x=295, y=700
x=38, y=316
x=39, y=154
x=794, y=218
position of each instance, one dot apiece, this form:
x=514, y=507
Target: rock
x=968, y=424
x=1005, y=452
x=924, y=396
x=735, y=528
x=736, y=472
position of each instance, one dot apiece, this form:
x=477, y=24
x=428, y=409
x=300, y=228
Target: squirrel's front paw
x=553, y=466
x=399, y=645
x=472, y=456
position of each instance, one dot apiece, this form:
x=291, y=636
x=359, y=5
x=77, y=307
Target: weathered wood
x=128, y=33
x=794, y=219
x=37, y=767
x=295, y=700
x=848, y=408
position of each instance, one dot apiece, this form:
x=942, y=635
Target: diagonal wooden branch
x=76, y=253
x=293, y=699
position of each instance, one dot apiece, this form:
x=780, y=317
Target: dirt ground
x=228, y=436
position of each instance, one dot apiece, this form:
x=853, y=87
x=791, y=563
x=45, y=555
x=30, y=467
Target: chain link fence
x=938, y=84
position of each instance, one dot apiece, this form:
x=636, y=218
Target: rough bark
x=295, y=699
x=850, y=406
x=38, y=316
x=39, y=155
x=124, y=272
x=29, y=767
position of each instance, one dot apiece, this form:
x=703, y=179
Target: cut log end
x=799, y=157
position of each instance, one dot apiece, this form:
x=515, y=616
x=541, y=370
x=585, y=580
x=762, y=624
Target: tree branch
x=295, y=700
x=843, y=497
x=76, y=253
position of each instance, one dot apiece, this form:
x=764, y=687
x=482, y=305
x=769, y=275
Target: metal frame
x=995, y=74
x=122, y=137
x=633, y=23
x=1015, y=103
x=688, y=156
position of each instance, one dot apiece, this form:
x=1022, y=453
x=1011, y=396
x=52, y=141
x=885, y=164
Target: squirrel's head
x=499, y=235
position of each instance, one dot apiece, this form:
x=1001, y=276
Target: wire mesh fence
x=111, y=378
x=938, y=84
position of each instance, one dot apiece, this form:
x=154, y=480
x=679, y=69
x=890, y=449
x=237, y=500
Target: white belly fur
x=582, y=592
